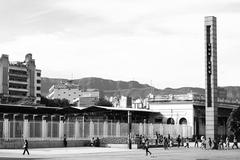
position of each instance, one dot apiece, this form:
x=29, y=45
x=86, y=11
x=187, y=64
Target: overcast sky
x=143, y=40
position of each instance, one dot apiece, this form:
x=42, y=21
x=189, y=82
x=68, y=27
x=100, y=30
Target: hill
x=131, y=88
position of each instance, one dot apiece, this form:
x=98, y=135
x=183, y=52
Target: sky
x=156, y=42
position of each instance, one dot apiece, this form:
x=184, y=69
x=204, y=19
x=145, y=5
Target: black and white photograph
x=119, y=80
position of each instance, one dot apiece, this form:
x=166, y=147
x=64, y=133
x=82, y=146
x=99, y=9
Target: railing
x=52, y=130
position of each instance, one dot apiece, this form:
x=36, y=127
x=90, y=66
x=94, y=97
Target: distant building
x=125, y=102
x=74, y=94
x=19, y=80
x=189, y=109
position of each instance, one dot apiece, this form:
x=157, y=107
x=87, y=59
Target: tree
x=103, y=102
x=55, y=102
x=233, y=122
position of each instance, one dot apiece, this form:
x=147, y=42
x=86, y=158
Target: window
x=38, y=95
x=38, y=81
x=38, y=74
x=170, y=121
x=183, y=121
x=38, y=88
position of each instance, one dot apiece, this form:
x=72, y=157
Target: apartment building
x=19, y=80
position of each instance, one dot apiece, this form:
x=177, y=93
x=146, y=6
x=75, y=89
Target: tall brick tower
x=210, y=30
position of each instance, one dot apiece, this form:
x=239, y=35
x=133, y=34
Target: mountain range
x=131, y=88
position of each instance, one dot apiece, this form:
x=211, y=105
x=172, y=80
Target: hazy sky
x=144, y=40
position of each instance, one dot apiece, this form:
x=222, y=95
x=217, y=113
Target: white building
x=189, y=110
x=73, y=93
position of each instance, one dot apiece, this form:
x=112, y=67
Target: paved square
x=91, y=153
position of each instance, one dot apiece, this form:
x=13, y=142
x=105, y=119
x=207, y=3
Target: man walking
x=147, y=147
x=178, y=141
x=25, y=147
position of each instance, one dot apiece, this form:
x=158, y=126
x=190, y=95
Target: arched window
x=183, y=121
x=170, y=121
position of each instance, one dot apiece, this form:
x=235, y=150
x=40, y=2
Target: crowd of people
x=168, y=142
x=219, y=143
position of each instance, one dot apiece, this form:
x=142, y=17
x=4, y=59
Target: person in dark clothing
x=97, y=143
x=179, y=140
x=187, y=143
x=25, y=147
x=215, y=144
x=65, y=141
x=196, y=141
x=210, y=143
x=165, y=143
x=147, y=147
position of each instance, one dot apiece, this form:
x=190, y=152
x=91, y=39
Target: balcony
x=17, y=82
x=18, y=75
x=17, y=92
x=18, y=89
x=17, y=78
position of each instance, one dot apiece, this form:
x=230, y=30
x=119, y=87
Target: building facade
x=74, y=94
x=191, y=112
x=19, y=80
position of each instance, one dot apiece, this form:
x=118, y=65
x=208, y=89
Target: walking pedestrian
x=143, y=142
x=215, y=144
x=25, y=147
x=169, y=138
x=182, y=140
x=210, y=143
x=203, y=145
x=65, y=140
x=171, y=142
x=178, y=141
x=221, y=143
x=227, y=143
x=165, y=143
x=235, y=143
x=92, y=142
x=147, y=147
x=187, y=143
x=196, y=141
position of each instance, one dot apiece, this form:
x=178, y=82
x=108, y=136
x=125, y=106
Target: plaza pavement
x=92, y=153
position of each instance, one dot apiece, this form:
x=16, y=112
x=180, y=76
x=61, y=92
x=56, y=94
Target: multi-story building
x=74, y=94
x=19, y=80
